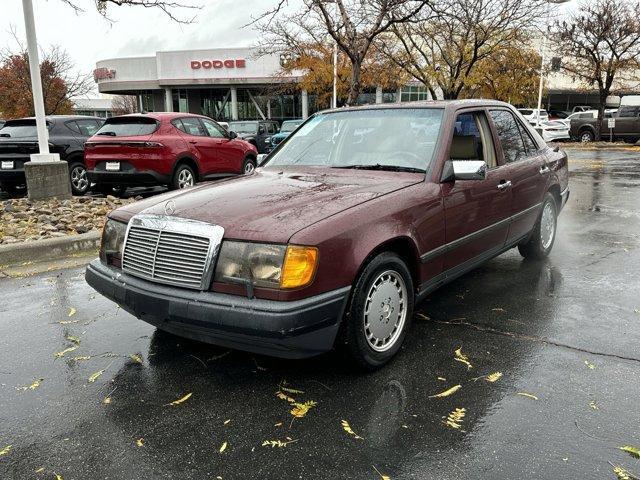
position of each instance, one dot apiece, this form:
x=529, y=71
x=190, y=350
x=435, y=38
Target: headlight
x=264, y=265
x=112, y=241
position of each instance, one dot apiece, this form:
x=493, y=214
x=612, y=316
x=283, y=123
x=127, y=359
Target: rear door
x=476, y=211
x=525, y=167
x=201, y=145
x=230, y=152
x=627, y=123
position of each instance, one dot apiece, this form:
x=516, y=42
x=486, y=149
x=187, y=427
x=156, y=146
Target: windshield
x=290, y=126
x=20, y=129
x=128, y=127
x=243, y=127
x=384, y=139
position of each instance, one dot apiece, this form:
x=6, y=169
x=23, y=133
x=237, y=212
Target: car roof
x=425, y=104
x=60, y=117
x=161, y=115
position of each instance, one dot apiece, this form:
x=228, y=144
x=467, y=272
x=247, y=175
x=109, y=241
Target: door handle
x=193, y=142
x=544, y=169
x=504, y=185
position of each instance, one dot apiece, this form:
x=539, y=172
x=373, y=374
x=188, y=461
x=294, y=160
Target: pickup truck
x=627, y=125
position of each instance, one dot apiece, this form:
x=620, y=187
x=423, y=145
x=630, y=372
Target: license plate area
x=112, y=166
x=7, y=165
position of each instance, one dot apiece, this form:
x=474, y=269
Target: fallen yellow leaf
x=493, y=377
x=40, y=470
x=285, y=397
x=140, y=442
x=181, y=400
x=290, y=390
x=590, y=365
x=593, y=404
x=136, y=358
x=6, y=450
x=95, y=376
x=107, y=400
x=81, y=358
x=454, y=419
x=442, y=379
x=58, y=477
x=622, y=474
x=72, y=312
x=226, y=422
x=65, y=351
x=447, y=392
x=33, y=386
x=528, y=395
x=462, y=358
x=382, y=477
x=633, y=451
x=300, y=409
x=223, y=447
x=497, y=309
x=277, y=443
x=67, y=322
x=347, y=428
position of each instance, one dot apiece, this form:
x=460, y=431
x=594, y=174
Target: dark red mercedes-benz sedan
x=353, y=219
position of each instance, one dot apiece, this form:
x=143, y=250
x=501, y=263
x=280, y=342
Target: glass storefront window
x=146, y=99
x=180, y=100
x=414, y=93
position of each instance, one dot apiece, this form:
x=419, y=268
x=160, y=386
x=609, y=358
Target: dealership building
x=223, y=83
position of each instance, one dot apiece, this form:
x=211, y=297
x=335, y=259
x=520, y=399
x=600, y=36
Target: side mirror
x=464, y=170
x=232, y=135
x=260, y=130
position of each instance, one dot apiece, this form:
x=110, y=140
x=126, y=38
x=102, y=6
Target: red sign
x=208, y=64
x=103, y=73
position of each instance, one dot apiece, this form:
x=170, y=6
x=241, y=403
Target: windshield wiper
x=111, y=134
x=377, y=166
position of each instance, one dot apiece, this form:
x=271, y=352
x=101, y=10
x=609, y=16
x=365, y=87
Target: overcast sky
x=88, y=37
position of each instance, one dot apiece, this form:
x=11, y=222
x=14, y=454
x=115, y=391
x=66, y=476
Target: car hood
x=271, y=205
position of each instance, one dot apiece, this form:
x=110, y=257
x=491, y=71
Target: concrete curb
x=49, y=248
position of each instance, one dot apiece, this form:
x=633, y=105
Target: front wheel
x=78, y=178
x=544, y=232
x=248, y=166
x=183, y=177
x=586, y=136
x=379, y=311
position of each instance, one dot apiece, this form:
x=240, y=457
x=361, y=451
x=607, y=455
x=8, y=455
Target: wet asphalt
x=565, y=332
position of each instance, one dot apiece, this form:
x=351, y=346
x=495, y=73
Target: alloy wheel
x=79, y=178
x=547, y=225
x=185, y=179
x=385, y=311
x=249, y=167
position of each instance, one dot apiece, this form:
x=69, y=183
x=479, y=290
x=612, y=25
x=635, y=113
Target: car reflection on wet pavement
x=563, y=333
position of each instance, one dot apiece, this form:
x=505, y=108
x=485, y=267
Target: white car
x=554, y=130
x=533, y=115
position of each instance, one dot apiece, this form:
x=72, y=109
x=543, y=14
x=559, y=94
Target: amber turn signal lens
x=299, y=266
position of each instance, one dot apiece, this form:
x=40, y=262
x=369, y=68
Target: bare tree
x=599, y=44
x=169, y=7
x=356, y=26
x=442, y=51
x=124, y=104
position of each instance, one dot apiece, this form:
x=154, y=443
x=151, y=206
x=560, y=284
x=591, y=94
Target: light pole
x=45, y=174
x=334, y=99
x=543, y=49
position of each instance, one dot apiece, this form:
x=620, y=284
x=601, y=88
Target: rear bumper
x=128, y=178
x=297, y=329
x=12, y=177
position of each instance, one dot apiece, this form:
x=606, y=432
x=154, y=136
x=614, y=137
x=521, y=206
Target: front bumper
x=551, y=135
x=297, y=329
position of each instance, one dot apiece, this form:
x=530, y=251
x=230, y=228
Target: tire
x=183, y=177
x=366, y=326
x=78, y=177
x=248, y=166
x=117, y=190
x=586, y=136
x=543, y=235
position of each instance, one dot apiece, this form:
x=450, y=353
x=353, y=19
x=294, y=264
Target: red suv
x=174, y=149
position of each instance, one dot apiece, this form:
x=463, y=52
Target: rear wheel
x=586, y=136
x=184, y=177
x=544, y=232
x=78, y=178
x=379, y=311
x=248, y=166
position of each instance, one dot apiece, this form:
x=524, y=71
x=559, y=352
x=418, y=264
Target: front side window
x=509, y=135
x=471, y=139
x=212, y=129
x=385, y=139
x=289, y=126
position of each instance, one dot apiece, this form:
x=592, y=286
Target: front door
x=526, y=167
x=476, y=211
x=204, y=147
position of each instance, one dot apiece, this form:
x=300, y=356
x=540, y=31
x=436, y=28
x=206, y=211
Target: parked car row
x=173, y=149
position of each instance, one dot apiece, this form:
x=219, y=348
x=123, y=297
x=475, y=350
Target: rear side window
x=525, y=111
x=191, y=126
x=88, y=127
x=628, y=111
x=509, y=135
x=128, y=126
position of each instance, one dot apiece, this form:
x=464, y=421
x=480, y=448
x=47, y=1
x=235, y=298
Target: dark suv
x=67, y=135
x=257, y=132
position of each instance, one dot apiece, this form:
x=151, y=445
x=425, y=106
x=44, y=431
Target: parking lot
x=88, y=391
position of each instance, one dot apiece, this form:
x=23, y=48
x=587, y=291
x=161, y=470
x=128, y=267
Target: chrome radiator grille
x=171, y=250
